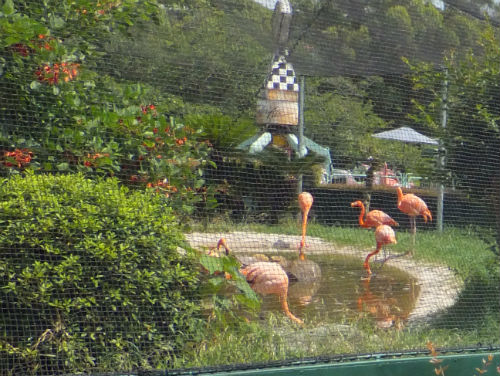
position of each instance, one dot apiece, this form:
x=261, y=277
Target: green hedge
x=91, y=277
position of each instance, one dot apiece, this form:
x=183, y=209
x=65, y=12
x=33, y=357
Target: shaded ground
x=439, y=287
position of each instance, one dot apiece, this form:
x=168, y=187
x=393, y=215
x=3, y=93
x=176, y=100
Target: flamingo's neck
x=400, y=195
x=304, y=232
x=361, y=218
x=222, y=243
x=304, y=223
x=302, y=256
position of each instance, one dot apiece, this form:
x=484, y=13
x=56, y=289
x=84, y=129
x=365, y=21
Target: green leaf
x=56, y=22
x=34, y=85
x=212, y=264
x=8, y=7
x=64, y=166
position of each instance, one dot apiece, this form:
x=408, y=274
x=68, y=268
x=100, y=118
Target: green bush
x=91, y=277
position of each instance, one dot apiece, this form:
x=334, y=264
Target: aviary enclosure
x=216, y=186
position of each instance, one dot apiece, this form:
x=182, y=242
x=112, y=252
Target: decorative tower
x=278, y=102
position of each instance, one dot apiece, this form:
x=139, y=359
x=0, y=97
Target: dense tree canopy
x=471, y=138
x=208, y=59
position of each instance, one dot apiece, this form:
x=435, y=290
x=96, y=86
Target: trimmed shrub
x=91, y=277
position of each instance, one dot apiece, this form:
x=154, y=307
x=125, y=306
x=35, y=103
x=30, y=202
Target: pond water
x=344, y=291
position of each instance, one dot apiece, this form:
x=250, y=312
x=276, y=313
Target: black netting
x=154, y=157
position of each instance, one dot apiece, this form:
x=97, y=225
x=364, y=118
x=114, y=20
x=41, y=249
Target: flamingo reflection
x=383, y=309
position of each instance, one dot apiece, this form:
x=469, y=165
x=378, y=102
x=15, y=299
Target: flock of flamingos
x=270, y=277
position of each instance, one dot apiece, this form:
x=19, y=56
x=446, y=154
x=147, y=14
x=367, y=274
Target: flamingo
x=303, y=270
x=265, y=277
x=384, y=235
x=413, y=206
x=305, y=203
x=373, y=217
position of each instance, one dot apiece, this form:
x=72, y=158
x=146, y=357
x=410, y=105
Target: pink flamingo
x=373, y=217
x=305, y=203
x=413, y=206
x=384, y=235
x=265, y=278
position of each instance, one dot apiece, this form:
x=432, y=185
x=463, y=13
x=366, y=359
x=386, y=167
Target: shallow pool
x=344, y=291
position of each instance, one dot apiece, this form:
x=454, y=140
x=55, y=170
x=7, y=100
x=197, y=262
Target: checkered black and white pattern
x=282, y=76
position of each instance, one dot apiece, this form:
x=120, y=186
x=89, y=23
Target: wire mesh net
x=225, y=184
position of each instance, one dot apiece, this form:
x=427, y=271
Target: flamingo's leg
x=284, y=306
x=387, y=256
x=366, y=264
x=384, y=259
x=413, y=230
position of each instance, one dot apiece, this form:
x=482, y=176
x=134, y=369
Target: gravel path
x=439, y=287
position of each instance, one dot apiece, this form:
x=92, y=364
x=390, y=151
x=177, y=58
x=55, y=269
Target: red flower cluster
x=20, y=49
x=106, y=5
x=149, y=107
x=163, y=187
x=181, y=141
x=18, y=157
x=52, y=73
x=91, y=158
x=42, y=43
x=145, y=110
x=103, y=7
x=138, y=178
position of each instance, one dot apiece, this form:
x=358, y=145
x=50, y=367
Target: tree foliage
x=65, y=113
x=204, y=51
x=363, y=38
x=471, y=138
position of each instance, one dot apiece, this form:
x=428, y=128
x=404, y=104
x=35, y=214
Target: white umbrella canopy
x=406, y=134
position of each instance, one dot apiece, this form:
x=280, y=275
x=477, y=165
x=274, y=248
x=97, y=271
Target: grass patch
x=275, y=338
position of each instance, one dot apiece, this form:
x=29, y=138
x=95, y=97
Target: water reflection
x=340, y=290
x=386, y=310
x=304, y=276
x=303, y=293
x=299, y=270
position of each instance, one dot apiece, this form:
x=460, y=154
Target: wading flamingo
x=413, y=206
x=373, y=217
x=265, y=277
x=303, y=270
x=384, y=235
x=297, y=270
x=305, y=203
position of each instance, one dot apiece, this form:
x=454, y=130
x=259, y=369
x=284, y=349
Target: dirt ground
x=439, y=287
